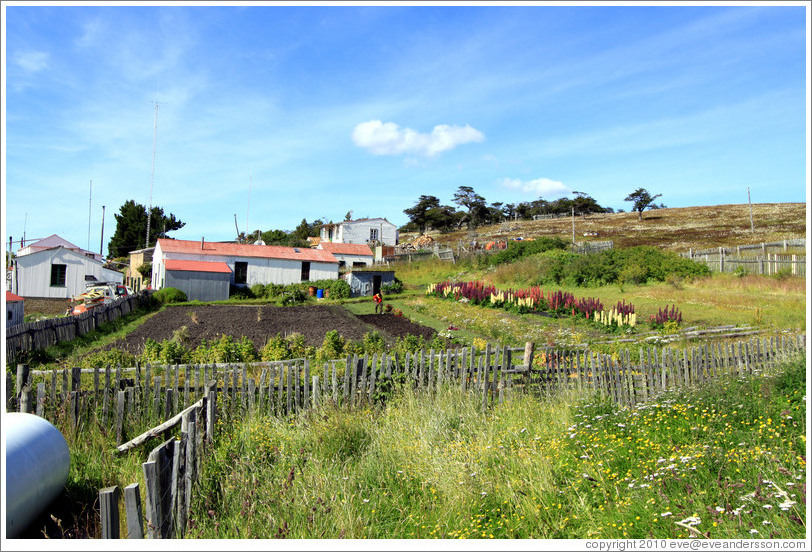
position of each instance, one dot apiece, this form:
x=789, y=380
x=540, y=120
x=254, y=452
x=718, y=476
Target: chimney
x=202, y=242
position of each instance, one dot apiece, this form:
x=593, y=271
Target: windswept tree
x=427, y=214
x=465, y=196
x=642, y=200
x=131, y=228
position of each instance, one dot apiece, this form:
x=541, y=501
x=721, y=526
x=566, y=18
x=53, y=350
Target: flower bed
x=535, y=300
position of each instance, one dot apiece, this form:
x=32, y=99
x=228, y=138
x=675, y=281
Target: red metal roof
x=11, y=297
x=197, y=266
x=246, y=250
x=347, y=248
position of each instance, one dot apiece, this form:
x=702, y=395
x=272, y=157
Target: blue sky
x=275, y=114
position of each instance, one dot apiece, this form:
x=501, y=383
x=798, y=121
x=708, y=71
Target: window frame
x=59, y=275
x=240, y=272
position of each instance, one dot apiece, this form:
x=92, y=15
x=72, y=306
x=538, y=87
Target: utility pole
x=89, y=211
x=152, y=174
x=101, y=238
x=573, y=225
x=752, y=229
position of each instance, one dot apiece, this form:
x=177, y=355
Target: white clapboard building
x=205, y=270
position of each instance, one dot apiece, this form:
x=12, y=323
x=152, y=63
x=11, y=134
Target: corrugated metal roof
x=197, y=266
x=11, y=297
x=347, y=248
x=247, y=250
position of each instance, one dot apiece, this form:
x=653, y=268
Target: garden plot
x=194, y=324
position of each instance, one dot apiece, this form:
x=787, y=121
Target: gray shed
x=368, y=282
x=199, y=280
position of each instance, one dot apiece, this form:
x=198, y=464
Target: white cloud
x=389, y=139
x=538, y=187
x=32, y=62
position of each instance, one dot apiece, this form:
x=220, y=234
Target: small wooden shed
x=15, y=309
x=368, y=282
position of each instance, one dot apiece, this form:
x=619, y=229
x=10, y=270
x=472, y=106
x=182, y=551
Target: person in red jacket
x=378, y=298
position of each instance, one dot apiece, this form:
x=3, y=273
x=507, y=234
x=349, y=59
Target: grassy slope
x=676, y=229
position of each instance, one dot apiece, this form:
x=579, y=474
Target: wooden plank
x=178, y=486
x=108, y=500
x=132, y=508
x=252, y=389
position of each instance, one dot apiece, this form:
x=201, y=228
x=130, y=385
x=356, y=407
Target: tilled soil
x=396, y=326
x=258, y=323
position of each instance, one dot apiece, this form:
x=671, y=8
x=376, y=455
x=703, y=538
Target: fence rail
x=128, y=405
x=764, y=248
x=765, y=265
x=32, y=336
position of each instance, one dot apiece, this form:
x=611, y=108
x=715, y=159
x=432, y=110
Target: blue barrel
x=319, y=294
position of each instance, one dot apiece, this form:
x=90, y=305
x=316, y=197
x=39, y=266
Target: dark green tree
x=131, y=228
x=418, y=215
x=465, y=196
x=641, y=200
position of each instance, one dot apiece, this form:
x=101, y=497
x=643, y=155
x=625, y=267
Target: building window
x=373, y=233
x=305, y=271
x=58, y=273
x=240, y=272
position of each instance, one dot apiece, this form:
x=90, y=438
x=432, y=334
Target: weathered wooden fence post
x=132, y=508
x=108, y=499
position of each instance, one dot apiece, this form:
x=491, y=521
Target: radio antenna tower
x=152, y=174
x=89, y=210
x=248, y=208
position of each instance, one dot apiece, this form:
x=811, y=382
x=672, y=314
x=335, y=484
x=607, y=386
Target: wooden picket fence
x=128, y=400
x=32, y=336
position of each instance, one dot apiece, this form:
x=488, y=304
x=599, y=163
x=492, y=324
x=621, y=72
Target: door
x=376, y=284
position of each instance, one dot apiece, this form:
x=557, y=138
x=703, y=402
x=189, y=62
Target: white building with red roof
x=206, y=270
x=15, y=309
x=349, y=255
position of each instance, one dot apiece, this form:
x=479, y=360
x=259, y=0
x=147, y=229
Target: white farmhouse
x=349, y=255
x=364, y=231
x=205, y=270
x=58, y=273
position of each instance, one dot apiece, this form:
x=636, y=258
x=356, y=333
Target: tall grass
x=723, y=462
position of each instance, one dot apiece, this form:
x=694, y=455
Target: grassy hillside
x=676, y=229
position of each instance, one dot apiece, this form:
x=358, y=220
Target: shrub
x=225, y=349
x=293, y=295
x=339, y=289
x=331, y=348
x=165, y=352
x=169, y=295
x=112, y=357
x=276, y=348
x=393, y=288
x=633, y=274
x=409, y=343
x=374, y=342
x=258, y=291
x=240, y=292
x=518, y=249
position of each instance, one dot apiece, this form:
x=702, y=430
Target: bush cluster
x=291, y=294
x=633, y=265
x=169, y=295
x=524, y=248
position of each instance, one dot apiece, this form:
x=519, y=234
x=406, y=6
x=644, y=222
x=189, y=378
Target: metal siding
x=199, y=286
x=34, y=274
x=16, y=309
